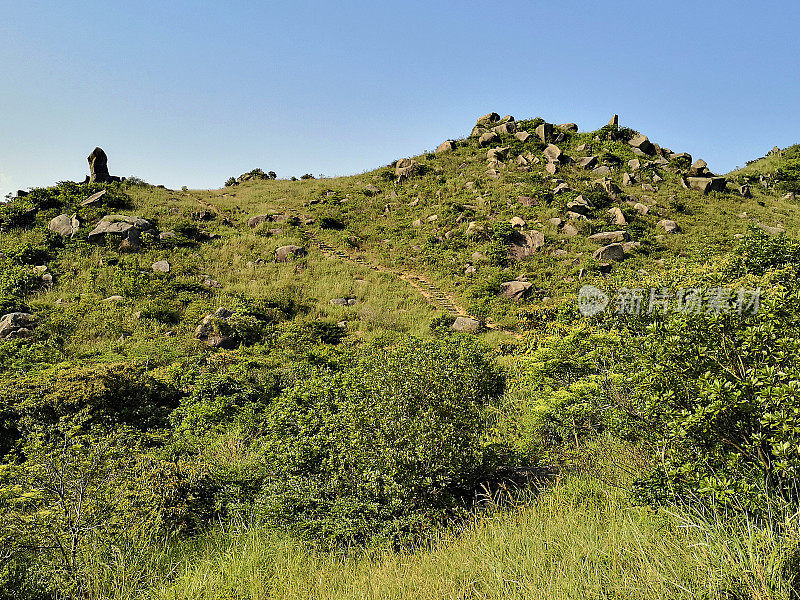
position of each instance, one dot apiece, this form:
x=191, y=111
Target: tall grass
x=578, y=540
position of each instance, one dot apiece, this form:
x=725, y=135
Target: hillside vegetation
x=388, y=385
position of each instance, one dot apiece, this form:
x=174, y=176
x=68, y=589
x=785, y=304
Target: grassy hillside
x=185, y=414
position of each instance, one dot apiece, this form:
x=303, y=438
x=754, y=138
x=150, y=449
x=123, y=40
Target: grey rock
x=120, y=225
x=65, y=225
x=13, y=324
x=466, y=324
x=587, y=162
x=669, y=226
x=777, y=230
x=614, y=122
x=94, y=198
x=569, y=230
x=642, y=143
x=447, y=146
x=573, y=127
x=515, y=290
x=525, y=244
x=161, y=266
x=544, y=132
x=617, y=218
x=522, y=136
x=289, y=253
x=492, y=117
x=611, y=252
x=552, y=152
x=610, y=237
x=487, y=138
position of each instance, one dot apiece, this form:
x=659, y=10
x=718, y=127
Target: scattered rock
x=447, y=146
x=551, y=168
x=525, y=244
x=588, y=162
x=404, y=169
x=642, y=209
x=123, y=226
x=628, y=179
x=609, y=237
x=526, y=201
x=487, y=138
x=602, y=170
x=497, y=153
x=555, y=221
x=516, y=222
x=707, y=184
x=573, y=127
x=569, y=230
x=466, y=324
x=579, y=205
x=161, y=266
x=209, y=332
x=642, y=143
x=506, y=128
x=699, y=169
x=492, y=117
x=617, y=218
x=65, y=225
x=515, y=290
x=544, y=132
x=611, y=252
x=93, y=198
x=343, y=301
x=373, y=190
x=289, y=253
x=744, y=191
x=669, y=226
x=115, y=298
x=522, y=136
x=17, y=325
x=634, y=164
x=552, y=152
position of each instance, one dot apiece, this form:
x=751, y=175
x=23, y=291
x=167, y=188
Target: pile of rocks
x=699, y=178
x=130, y=230
x=489, y=126
x=17, y=325
x=215, y=330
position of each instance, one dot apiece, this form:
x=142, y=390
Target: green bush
x=392, y=443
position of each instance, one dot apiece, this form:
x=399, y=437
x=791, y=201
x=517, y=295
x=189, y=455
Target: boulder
x=573, y=127
x=65, y=225
x=744, y=191
x=98, y=167
x=343, y=301
x=611, y=252
x=552, y=152
x=16, y=325
x=257, y=220
x=614, y=122
x=602, y=170
x=617, y=218
x=487, y=138
x=114, y=298
x=517, y=222
x=555, y=222
x=580, y=205
x=447, y=146
x=544, y=132
x=506, y=128
x=289, y=253
x=124, y=226
x=551, y=168
x=699, y=168
x=209, y=332
x=492, y=117
x=634, y=164
x=587, y=162
x=404, y=169
x=707, y=184
x=466, y=324
x=372, y=190
x=642, y=209
x=628, y=179
x=161, y=266
x=522, y=136
x=94, y=198
x=569, y=230
x=497, y=153
x=609, y=237
x=515, y=290
x=642, y=143
x=669, y=226
x=525, y=244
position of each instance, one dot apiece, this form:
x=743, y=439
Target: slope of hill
x=283, y=353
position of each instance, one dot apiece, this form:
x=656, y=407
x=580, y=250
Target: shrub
x=383, y=448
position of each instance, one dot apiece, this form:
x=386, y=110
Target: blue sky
x=190, y=93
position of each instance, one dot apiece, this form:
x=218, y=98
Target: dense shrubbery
x=383, y=448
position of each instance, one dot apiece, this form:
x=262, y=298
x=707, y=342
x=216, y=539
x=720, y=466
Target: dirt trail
x=426, y=289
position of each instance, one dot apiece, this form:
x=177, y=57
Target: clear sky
x=191, y=93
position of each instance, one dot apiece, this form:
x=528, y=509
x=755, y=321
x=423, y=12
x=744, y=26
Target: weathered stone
x=602, y=170
x=497, y=153
x=552, y=152
x=65, y=225
x=587, y=162
x=209, y=333
x=573, y=127
x=681, y=155
x=257, y=220
x=699, y=169
x=16, y=325
x=372, y=190
x=288, y=253
x=561, y=188
x=487, y=138
x=628, y=179
x=161, y=266
x=614, y=122
x=506, y=128
x=669, y=226
x=343, y=301
x=416, y=223
x=492, y=117
x=515, y=290
x=94, y=198
x=744, y=191
x=707, y=184
x=555, y=221
x=447, y=146
x=642, y=209
x=114, y=298
x=120, y=225
x=576, y=216
x=609, y=237
x=466, y=324
x=544, y=132
x=516, y=222
x=617, y=218
x=522, y=136
x=551, y=168
x=569, y=230
x=613, y=252
x=525, y=244
x=634, y=164
x=642, y=143
x=98, y=167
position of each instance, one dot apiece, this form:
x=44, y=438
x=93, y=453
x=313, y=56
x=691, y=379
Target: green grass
x=579, y=539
